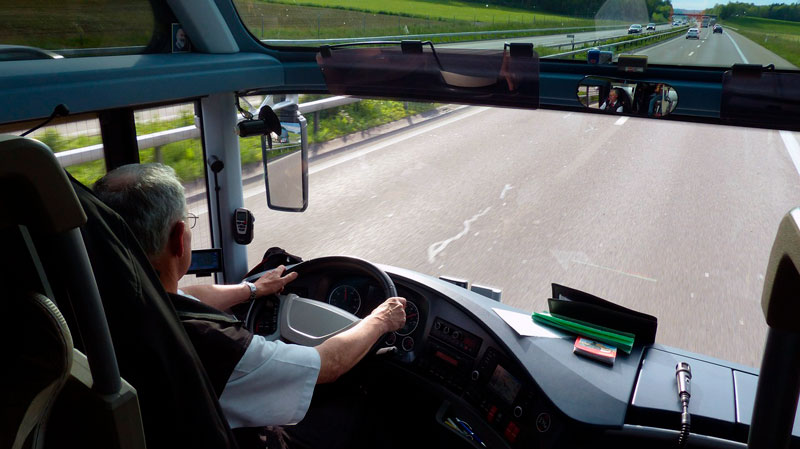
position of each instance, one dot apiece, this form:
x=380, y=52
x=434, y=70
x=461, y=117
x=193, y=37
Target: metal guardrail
x=133, y=50
x=600, y=39
x=617, y=44
x=344, y=40
x=161, y=138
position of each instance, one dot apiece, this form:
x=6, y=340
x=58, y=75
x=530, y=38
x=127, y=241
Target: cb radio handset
x=683, y=374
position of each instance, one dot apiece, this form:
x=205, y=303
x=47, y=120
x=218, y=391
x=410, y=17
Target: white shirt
x=271, y=385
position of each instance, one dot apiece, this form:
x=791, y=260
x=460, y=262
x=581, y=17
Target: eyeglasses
x=191, y=220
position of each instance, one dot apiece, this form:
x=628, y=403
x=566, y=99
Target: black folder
x=578, y=305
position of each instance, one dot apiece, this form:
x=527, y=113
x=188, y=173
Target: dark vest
x=219, y=339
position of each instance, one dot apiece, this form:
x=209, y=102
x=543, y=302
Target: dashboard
x=457, y=361
x=448, y=350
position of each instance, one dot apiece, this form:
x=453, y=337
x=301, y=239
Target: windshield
x=755, y=33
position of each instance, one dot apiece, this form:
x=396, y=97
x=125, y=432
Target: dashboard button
x=512, y=432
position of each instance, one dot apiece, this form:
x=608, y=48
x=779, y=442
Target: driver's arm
x=341, y=352
x=224, y=297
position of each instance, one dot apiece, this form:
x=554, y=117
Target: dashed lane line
x=793, y=148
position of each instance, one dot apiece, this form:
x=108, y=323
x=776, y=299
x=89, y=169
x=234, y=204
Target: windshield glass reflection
x=679, y=32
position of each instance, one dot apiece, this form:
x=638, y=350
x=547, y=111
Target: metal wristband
x=252, y=288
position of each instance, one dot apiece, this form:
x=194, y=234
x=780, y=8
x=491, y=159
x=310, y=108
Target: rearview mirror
x=286, y=163
x=629, y=97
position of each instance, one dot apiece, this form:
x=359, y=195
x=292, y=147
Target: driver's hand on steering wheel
x=273, y=282
x=392, y=313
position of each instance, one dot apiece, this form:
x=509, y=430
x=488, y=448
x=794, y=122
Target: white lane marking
x=793, y=148
x=392, y=141
x=438, y=247
x=741, y=55
x=566, y=257
x=613, y=270
x=691, y=53
x=698, y=46
x=621, y=121
x=379, y=146
x=505, y=189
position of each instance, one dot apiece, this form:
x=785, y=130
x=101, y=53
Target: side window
x=169, y=135
x=338, y=128
x=77, y=145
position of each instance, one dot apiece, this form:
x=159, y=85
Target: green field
x=76, y=23
x=779, y=36
x=318, y=19
x=431, y=9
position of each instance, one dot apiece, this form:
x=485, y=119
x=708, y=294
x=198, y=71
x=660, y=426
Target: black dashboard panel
x=484, y=384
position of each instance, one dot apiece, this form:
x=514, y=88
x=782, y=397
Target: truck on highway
x=572, y=278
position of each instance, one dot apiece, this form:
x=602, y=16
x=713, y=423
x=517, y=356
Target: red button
x=490, y=415
x=512, y=432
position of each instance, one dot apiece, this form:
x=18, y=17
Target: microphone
x=683, y=374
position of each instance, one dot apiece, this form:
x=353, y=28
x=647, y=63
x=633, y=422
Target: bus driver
x=258, y=382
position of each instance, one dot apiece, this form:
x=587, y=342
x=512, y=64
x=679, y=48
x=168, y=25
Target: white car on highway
x=635, y=29
x=693, y=33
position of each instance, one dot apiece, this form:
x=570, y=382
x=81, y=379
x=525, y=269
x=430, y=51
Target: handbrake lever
x=683, y=374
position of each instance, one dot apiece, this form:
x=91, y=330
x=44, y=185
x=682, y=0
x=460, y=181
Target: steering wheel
x=310, y=322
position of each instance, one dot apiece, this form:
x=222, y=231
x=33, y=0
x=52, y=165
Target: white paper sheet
x=523, y=324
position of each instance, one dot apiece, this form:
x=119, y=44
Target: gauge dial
x=412, y=319
x=346, y=298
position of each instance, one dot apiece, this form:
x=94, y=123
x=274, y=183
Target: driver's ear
x=175, y=242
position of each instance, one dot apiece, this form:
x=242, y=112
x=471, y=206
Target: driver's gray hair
x=149, y=198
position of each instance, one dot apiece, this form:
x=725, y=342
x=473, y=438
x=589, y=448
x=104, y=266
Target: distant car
x=718, y=28
x=693, y=33
x=676, y=23
x=651, y=26
x=634, y=29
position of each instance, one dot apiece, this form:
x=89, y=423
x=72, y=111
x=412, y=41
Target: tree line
x=777, y=11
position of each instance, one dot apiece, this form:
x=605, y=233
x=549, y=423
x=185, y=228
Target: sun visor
x=417, y=71
x=752, y=97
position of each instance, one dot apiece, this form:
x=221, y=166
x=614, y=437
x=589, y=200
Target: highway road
x=672, y=219
x=711, y=49
x=551, y=39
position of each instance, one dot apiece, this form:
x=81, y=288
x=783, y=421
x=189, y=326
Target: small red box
x=595, y=350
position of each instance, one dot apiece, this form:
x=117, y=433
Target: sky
x=703, y=4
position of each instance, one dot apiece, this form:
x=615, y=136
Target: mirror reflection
x=286, y=164
x=620, y=96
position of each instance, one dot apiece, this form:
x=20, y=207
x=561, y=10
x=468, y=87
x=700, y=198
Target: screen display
x=205, y=260
x=504, y=385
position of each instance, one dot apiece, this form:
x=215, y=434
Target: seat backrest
x=154, y=353
x=36, y=367
x=70, y=247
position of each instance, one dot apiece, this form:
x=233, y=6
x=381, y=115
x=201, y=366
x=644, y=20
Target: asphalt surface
x=720, y=49
x=672, y=219
x=552, y=39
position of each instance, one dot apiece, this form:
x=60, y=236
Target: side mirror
x=629, y=97
x=286, y=163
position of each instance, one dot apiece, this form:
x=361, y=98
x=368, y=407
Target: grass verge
x=320, y=19
x=778, y=36
x=186, y=156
